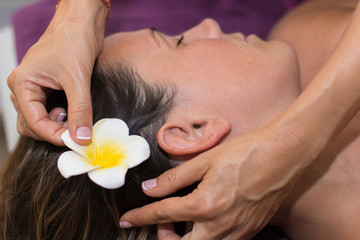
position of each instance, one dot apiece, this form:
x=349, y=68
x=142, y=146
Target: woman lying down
x=185, y=95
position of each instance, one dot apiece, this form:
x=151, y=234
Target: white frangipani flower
x=109, y=156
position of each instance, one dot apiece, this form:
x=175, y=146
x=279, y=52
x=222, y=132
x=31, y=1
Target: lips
x=240, y=36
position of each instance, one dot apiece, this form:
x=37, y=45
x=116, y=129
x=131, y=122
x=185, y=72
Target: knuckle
x=14, y=101
x=206, y=208
x=18, y=80
x=21, y=129
x=171, y=176
x=162, y=216
x=211, y=206
x=24, y=129
x=11, y=79
x=81, y=107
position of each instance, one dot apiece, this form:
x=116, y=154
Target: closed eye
x=154, y=30
x=180, y=40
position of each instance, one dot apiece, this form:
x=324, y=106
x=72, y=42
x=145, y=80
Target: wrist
x=83, y=13
x=82, y=8
x=82, y=17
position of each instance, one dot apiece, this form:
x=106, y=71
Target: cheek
x=269, y=84
x=273, y=70
x=276, y=87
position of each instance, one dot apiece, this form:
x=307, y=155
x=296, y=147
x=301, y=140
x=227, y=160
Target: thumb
x=80, y=113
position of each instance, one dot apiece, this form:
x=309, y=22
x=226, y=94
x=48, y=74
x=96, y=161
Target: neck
x=317, y=200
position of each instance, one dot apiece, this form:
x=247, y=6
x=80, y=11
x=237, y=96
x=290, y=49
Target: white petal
x=109, y=130
x=109, y=178
x=137, y=151
x=84, y=151
x=72, y=164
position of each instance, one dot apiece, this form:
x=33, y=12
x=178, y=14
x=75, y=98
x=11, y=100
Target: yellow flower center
x=108, y=156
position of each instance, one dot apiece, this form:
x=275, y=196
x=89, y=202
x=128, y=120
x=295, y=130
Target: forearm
x=329, y=102
x=81, y=17
x=82, y=10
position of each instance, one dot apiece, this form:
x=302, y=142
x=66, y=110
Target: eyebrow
x=152, y=33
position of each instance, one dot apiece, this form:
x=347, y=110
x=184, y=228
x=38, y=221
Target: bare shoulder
x=313, y=16
x=314, y=28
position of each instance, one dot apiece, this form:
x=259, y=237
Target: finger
x=58, y=114
x=14, y=101
x=39, y=122
x=21, y=124
x=79, y=112
x=167, y=232
x=176, y=178
x=200, y=233
x=187, y=236
x=30, y=100
x=11, y=80
x=176, y=209
x=22, y=127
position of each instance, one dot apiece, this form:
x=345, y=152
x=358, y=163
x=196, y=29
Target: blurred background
x=7, y=7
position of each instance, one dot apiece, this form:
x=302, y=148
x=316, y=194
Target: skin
x=249, y=67
x=317, y=201
x=209, y=64
x=283, y=148
x=251, y=58
x=254, y=71
x=43, y=68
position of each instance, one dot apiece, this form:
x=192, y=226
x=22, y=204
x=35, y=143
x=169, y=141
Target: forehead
x=125, y=44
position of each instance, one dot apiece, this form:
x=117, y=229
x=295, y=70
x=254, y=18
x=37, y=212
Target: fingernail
x=149, y=184
x=125, y=224
x=61, y=117
x=83, y=133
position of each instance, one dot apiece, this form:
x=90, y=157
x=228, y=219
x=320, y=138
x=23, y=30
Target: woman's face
x=245, y=79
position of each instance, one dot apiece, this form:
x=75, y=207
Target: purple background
x=169, y=16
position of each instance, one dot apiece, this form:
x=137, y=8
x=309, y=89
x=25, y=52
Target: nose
x=208, y=28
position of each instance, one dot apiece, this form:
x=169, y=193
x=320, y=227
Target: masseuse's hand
x=244, y=180
x=62, y=59
x=241, y=185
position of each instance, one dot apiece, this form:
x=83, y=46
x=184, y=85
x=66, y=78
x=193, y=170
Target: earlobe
x=180, y=138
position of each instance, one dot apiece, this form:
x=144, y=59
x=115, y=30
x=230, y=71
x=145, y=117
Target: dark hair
x=38, y=203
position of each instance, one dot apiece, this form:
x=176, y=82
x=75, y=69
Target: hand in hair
x=218, y=209
x=63, y=59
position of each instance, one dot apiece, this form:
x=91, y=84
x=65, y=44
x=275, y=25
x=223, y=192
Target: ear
x=180, y=137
